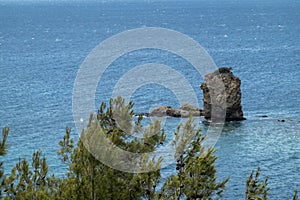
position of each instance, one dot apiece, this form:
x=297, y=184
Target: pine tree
x=196, y=172
x=30, y=182
x=90, y=178
x=256, y=189
x=295, y=197
x=3, y=151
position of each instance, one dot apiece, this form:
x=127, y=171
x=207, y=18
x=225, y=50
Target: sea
x=44, y=43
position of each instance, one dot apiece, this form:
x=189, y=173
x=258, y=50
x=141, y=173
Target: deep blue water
x=43, y=44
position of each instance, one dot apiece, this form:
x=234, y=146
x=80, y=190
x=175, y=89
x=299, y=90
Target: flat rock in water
x=183, y=111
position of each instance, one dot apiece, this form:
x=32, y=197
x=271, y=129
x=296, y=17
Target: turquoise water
x=43, y=44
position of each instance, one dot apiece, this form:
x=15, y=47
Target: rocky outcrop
x=165, y=111
x=222, y=96
x=187, y=108
x=183, y=111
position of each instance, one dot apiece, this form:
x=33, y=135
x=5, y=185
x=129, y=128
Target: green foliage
x=3, y=145
x=90, y=178
x=295, y=197
x=256, y=189
x=30, y=182
x=66, y=147
x=3, y=151
x=196, y=173
x=114, y=127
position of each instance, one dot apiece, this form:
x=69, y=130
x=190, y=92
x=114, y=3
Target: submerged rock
x=263, y=116
x=222, y=96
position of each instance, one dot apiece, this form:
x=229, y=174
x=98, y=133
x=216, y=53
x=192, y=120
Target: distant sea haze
x=43, y=45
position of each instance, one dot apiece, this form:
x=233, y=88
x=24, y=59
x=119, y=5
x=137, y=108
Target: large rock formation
x=183, y=111
x=222, y=96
